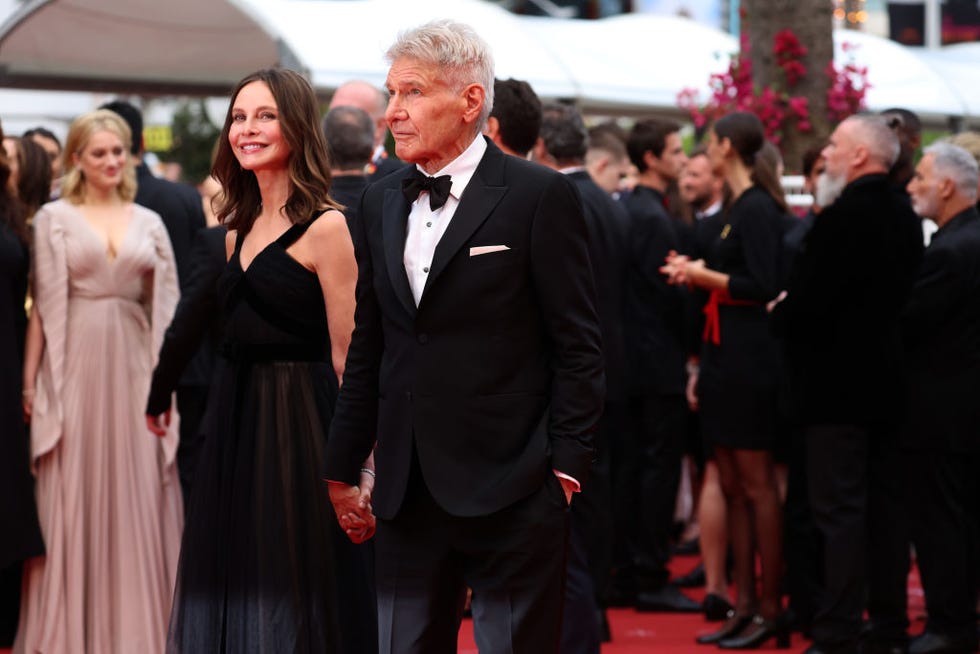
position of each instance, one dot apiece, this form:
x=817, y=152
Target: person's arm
x=562, y=275
x=336, y=268
x=188, y=328
x=937, y=291
x=33, y=348
x=348, y=466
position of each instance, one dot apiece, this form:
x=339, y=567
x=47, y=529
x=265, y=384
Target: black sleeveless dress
x=259, y=559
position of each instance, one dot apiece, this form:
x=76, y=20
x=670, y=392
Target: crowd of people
x=378, y=391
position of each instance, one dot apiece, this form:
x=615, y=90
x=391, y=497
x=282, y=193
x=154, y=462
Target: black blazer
x=608, y=229
x=655, y=310
x=179, y=205
x=196, y=328
x=497, y=375
x=941, y=327
x=840, y=319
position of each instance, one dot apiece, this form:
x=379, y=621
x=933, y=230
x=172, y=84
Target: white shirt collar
x=461, y=168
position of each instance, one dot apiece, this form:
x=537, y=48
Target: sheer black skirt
x=261, y=548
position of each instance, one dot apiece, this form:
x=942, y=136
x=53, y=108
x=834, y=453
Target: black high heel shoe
x=732, y=627
x=755, y=634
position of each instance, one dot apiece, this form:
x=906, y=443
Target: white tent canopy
x=622, y=65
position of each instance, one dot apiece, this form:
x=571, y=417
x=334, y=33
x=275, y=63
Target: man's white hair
x=873, y=132
x=955, y=163
x=457, y=49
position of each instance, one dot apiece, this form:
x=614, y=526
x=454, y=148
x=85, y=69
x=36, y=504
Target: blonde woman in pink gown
x=105, y=288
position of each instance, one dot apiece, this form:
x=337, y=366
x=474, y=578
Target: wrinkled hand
x=158, y=424
x=352, y=504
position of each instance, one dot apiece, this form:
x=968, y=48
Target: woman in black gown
x=259, y=559
x=737, y=384
x=18, y=511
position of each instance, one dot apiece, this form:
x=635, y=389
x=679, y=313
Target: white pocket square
x=487, y=249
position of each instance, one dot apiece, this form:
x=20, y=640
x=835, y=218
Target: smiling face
x=255, y=135
x=430, y=122
x=102, y=160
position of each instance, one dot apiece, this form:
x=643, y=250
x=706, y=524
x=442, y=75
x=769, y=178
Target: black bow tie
x=438, y=188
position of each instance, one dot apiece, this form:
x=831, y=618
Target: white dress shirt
x=426, y=227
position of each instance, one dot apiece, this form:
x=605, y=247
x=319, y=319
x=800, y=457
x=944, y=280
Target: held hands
x=680, y=268
x=158, y=424
x=352, y=504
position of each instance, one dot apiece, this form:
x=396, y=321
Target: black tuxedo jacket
x=196, y=330
x=840, y=319
x=608, y=228
x=179, y=205
x=655, y=313
x=496, y=377
x=941, y=326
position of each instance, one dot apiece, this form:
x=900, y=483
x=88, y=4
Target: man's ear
x=474, y=96
x=947, y=188
x=492, y=130
x=861, y=155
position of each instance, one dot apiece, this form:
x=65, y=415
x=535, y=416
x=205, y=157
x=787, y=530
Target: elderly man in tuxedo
x=475, y=368
x=942, y=432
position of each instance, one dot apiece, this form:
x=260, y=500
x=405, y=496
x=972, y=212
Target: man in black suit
x=350, y=142
x=840, y=319
x=941, y=326
x=371, y=100
x=475, y=366
x=515, y=119
x=562, y=145
x=647, y=456
x=179, y=205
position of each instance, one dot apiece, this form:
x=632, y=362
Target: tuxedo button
x=426, y=269
x=423, y=338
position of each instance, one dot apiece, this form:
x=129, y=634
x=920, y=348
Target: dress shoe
x=693, y=579
x=929, y=642
x=733, y=626
x=715, y=607
x=667, y=599
x=757, y=633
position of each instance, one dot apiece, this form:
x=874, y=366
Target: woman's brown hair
x=308, y=164
x=747, y=136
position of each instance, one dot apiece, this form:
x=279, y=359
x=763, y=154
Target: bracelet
x=369, y=471
x=27, y=392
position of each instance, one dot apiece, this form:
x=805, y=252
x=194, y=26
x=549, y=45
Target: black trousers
x=943, y=502
x=514, y=560
x=803, y=543
x=855, y=486
x=646, y=474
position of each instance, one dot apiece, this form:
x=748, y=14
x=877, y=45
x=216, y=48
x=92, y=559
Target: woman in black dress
x=260, y=557
x=739, y=367
x=18, y=511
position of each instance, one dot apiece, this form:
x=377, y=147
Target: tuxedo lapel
x=482, y=194
x=394, y=224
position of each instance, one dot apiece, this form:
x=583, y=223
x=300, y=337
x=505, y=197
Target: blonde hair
x=81, y=131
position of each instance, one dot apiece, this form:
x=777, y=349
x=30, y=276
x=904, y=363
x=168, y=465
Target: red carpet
x=674, y=633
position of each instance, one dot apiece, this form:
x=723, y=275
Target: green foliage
x=194, y=136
